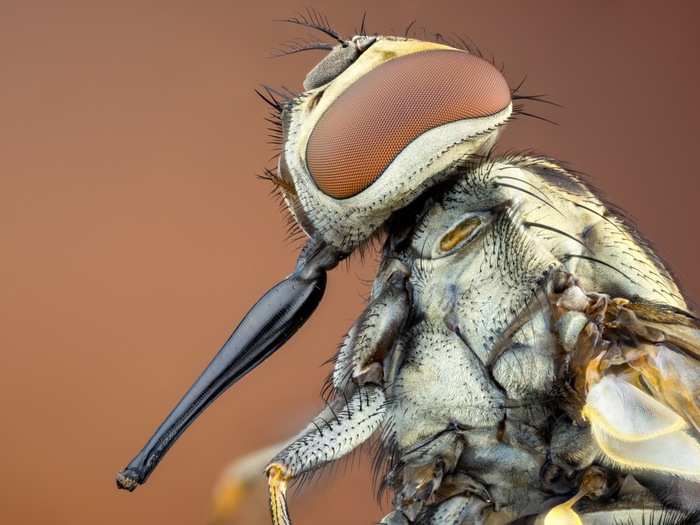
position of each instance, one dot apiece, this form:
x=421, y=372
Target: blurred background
x=135, y=234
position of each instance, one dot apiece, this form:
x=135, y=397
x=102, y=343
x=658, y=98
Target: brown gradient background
x=135, y=235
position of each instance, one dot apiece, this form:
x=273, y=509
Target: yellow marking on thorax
x=457, y=234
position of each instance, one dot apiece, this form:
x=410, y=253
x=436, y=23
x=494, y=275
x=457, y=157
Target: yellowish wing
x=635, y=367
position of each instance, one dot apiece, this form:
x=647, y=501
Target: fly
x=523, y=357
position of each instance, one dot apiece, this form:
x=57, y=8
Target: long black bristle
x=529, y=224
x=270, y=100
x=531, y=195
x=603, y=263
x=299, y=45
x=518, y=110
x=408, y=28
x=313, y=19
x=363, y=27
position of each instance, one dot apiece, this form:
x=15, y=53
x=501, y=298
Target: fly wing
x=674, y=378
x=636, y=431
x=635, y=367
x=666, y=354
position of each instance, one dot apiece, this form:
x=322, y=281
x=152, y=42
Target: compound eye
x=374, y=119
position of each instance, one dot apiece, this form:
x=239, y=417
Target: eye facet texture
x=381, y=113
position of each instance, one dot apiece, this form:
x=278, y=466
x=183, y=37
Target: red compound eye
x=381, y=113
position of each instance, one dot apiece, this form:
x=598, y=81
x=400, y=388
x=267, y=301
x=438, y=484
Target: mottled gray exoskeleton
x=524, y=356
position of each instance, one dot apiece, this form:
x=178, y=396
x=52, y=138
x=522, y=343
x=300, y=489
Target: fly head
x=381, y=120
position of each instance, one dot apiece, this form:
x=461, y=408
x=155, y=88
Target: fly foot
x=277, y=479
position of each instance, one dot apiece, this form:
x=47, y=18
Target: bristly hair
x=363, y=25
x=282, y=190
x=273, y=178
x=299, y=45
x=387, y=455
x=336, y=404
x=577, y=183
x=520, y=99
x=453, y=39
x=313, y=19
x=277, y=100
x=519, y=111
x=274, y=117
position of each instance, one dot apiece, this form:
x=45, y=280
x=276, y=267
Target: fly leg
x=425, y=480
x=358, y=408
x=241, y=488
x=636, y=351
x=374, y=334
x=334, y=433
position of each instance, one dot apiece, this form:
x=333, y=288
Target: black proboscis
x=267, y=326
